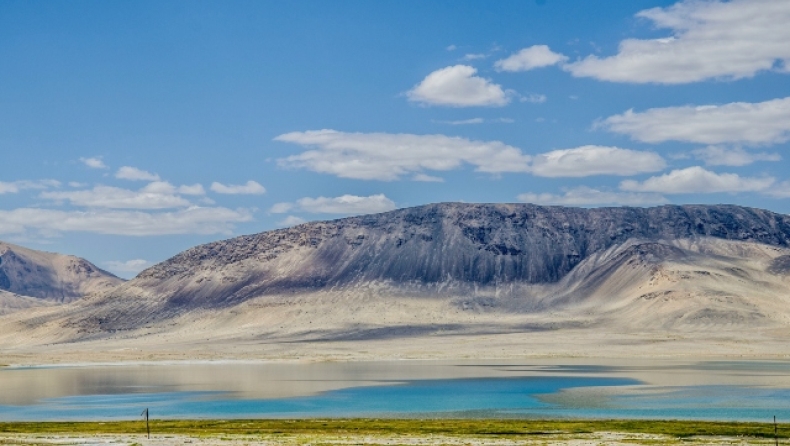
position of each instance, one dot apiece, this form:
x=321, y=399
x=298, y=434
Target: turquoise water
x=104, y=395
x=455, y=397
x=498, y=397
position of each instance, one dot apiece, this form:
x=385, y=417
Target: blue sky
x=130, y=131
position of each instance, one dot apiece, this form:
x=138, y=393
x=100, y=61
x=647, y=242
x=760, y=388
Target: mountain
x=454, y=275
x=435, y=246
x=49, y=276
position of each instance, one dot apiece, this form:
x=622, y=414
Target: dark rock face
x=478, y=244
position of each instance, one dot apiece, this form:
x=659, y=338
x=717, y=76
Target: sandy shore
x=560, y=344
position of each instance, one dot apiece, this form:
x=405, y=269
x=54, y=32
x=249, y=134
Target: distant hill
x=49, y=276
x=460, y=270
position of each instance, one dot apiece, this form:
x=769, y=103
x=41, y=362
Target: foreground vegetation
x=413, y=427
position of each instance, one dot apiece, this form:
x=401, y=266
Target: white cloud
x=587, y=196
x=533, y=98
x=387, y=156
x=781, y=190
x=463, y=121
x=194, y=189
x=427, y=178
x=291, y=220
x=708, y=40
x=457, y=86
x=759, y=123
x=14, y=187
x=536, y=56
x=476, y=56
x=156, y=195
x=127, y=266
x=159, y=187
x=281, y=208
x=595, y=160
x=9, y=188
x=722, y=156
x=472, y=121
x=193, y=220
x=251, y=188
x=451, y=48
x=135, y=174
x=698, y=180
x=94, y=163
x=345, y=204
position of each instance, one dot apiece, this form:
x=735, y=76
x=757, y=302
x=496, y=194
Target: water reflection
x=602, y=388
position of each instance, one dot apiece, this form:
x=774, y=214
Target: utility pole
x=148, y=429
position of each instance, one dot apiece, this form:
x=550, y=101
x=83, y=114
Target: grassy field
x=374, y=427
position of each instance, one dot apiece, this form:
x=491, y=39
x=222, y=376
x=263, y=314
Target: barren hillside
x=453, y=279
x=50, y=276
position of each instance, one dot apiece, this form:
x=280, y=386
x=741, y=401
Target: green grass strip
x=476, y=427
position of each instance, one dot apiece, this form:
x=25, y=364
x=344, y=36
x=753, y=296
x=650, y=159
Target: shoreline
x=391, y=432
x=545, y=359
x=467, y=426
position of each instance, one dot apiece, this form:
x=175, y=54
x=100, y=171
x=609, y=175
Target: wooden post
x=148, y=429
x=776, y=438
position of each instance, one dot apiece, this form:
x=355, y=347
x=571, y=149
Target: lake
x=713, y=390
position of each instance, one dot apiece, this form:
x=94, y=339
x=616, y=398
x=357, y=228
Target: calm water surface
x=615, y=389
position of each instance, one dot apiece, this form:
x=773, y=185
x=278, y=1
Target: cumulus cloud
x=13, y=187
x=698, y=180
x=595, y=160
x=457, y=86
x=94, y=163
x=281, y=208
x=249, y=188
x=759, y=123
x=192, y=220
x=387, y=156
x=344, y=204
x=708, y=40
x=156, y=195
x=722, y=156
x=587, y=196
x=194, y=189
x=135, y=174
x=427, y=178
x=536, y=56
x=127, y=266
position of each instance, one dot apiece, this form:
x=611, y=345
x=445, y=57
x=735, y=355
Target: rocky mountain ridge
x=477, y=244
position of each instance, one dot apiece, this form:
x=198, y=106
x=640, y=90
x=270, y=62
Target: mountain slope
x=466, y=272
x=435, y=246
x=10, y=302
x=50, y=276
